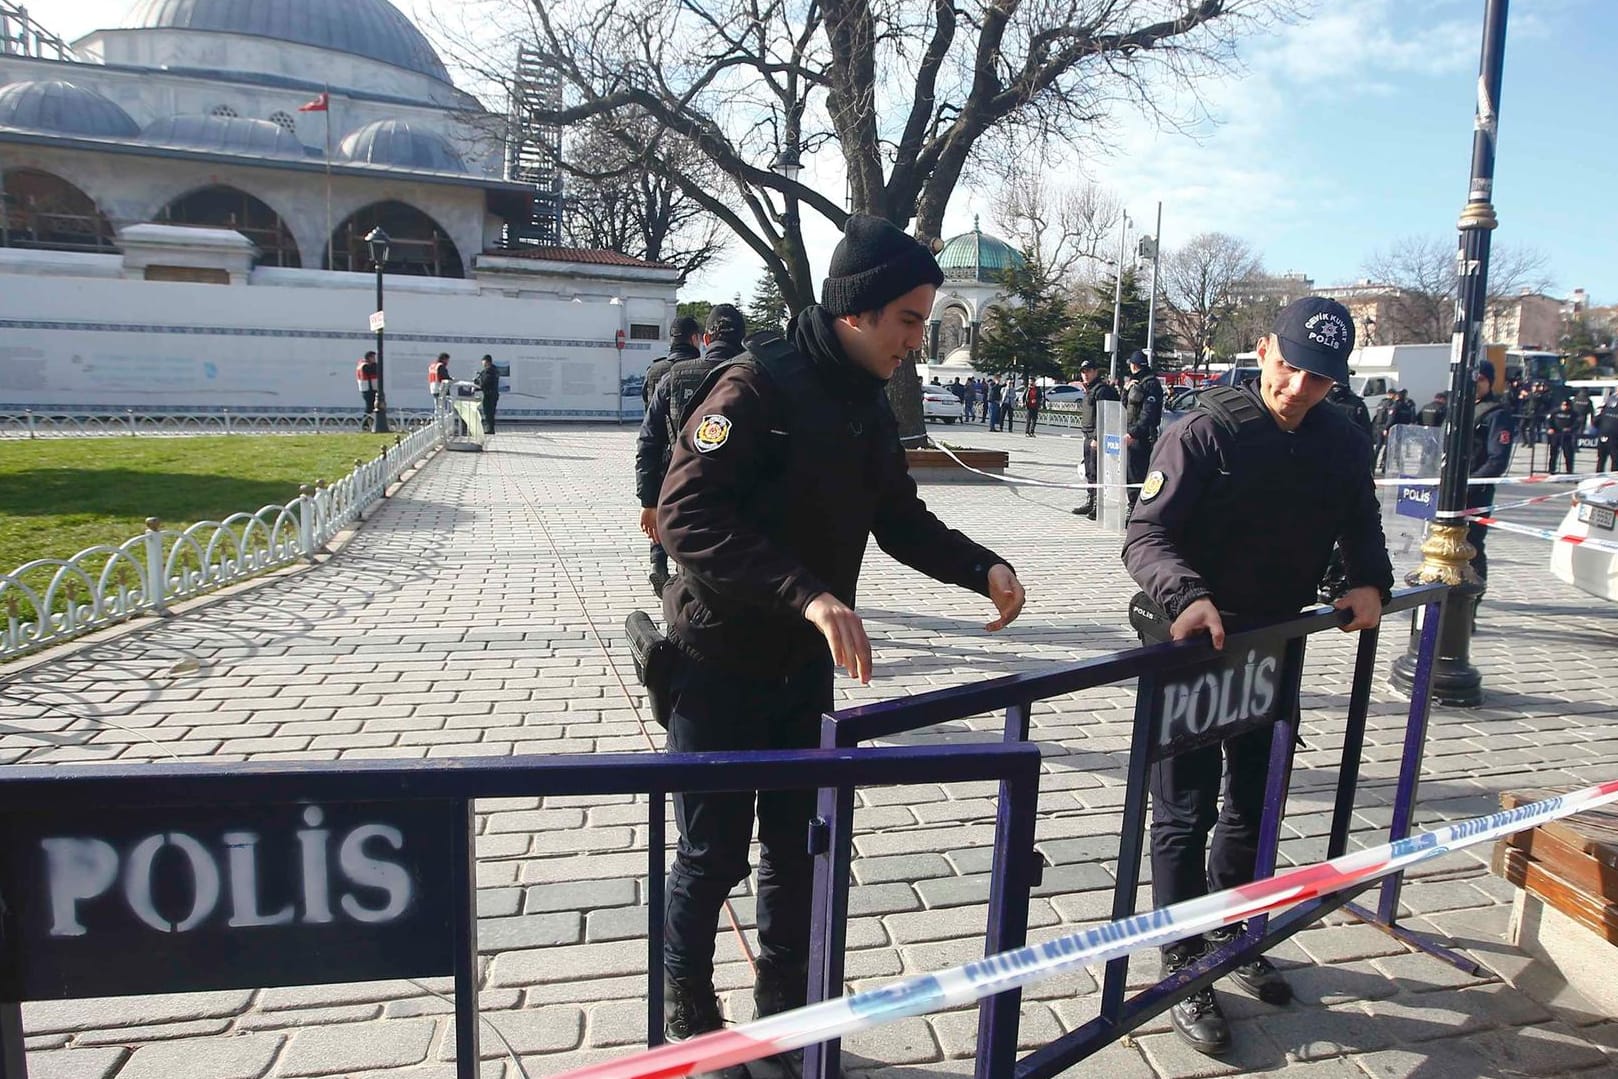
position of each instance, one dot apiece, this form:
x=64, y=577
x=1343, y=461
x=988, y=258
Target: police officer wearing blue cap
x=1235, y=523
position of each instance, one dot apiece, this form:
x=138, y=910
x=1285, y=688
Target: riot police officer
x=1237, y=518
x=1493, y=430
x=665, y=414
x=653, y=445
x=1565, y=424
x=1096, y=390
x=1143, y=412
x=788, y=463
x=1353, y=405
x=1433, y=413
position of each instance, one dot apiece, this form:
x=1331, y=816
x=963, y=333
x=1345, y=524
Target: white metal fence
x=51, y=600
x=68, y=423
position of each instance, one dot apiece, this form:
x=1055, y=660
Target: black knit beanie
x=875, y=262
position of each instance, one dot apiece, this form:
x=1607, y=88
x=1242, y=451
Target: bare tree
x=1202, y=283
x=1070, y=225
x=1421, y=272
x=900, y=94
x=619, y=200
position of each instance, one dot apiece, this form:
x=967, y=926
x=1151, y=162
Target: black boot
x=781, y=988
x=1086, y=510
x=1197, y=1018
x=1258, y=975
x=691, y=1008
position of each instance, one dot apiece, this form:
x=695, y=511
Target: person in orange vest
x=365, y=376
x=438, y=380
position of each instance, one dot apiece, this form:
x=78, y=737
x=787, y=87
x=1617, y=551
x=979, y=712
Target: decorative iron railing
x=51, y=600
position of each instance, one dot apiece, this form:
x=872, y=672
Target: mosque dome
x=370, y=28
x=64, y=109
x=977, y=256
x=402, y=145
x=232, y=134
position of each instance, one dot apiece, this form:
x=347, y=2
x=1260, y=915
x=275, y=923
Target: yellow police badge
x=1153, y=484
x=711, y=433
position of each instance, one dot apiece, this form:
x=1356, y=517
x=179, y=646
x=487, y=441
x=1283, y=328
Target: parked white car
x=1063, y=395
x=940, y=404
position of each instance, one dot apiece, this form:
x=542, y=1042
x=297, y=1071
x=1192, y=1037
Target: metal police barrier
x=467, y=404
x=153, y=878
x=922, y=994
x=1413, y=453
x=1113, y=499
x=1187, y=695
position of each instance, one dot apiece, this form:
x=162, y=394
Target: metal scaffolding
x=534, y=148
x=20, y=35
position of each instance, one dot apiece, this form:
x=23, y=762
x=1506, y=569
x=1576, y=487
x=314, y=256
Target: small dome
x=370, y=28
x=65, y=109
x=230, y=133
x=398, y=143
x=975, y=256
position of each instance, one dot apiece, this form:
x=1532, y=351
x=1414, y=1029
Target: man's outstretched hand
x=1006, y=592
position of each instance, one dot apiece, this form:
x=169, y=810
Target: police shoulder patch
x=712, y=432
x=1153, y=484
x=1505, y=438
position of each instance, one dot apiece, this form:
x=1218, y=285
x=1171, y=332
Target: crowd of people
x=992, y=402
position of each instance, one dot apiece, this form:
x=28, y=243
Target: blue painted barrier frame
x=36, y=790
x=1018, y=861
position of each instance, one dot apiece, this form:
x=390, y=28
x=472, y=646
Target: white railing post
x=157, y=589
x=130, y=413
x=228, y=429
x=306, y=521
x=30, y=414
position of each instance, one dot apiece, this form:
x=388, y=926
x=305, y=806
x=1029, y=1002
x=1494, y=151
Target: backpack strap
x=1234, y=410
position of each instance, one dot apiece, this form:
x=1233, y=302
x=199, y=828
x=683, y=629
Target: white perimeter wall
x=85, y=343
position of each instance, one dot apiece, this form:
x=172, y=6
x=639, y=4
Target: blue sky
x=1343, y=131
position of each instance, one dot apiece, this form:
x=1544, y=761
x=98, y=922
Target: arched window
x=285, y=121
x=223, y=110
x=416, y=243
x=222, y=207
x=953, y=331
x=43, y=211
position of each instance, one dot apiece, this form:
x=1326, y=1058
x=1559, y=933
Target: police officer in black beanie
x=788, y=463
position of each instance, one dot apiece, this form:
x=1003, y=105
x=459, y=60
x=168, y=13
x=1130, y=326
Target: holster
x=1151, y=622
x=654, y=657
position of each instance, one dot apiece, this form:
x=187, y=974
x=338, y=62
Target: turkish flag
x=319, y=104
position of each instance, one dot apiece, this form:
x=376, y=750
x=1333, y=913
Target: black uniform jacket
x=655, y=443
x=777, y=481
x=1250, y=520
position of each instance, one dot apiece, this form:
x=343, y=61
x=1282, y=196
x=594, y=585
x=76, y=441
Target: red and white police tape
x=1007, y=970
x=1547, y=533
x=1496, y=481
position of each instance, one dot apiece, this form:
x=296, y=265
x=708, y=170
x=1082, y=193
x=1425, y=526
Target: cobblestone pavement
x=456, y=625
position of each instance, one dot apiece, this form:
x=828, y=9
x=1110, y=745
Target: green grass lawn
x=60, y=496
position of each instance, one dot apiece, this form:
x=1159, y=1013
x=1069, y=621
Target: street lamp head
x=379, y=245
x=786, y=164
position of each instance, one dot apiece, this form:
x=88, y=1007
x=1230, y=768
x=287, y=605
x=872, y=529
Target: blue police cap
x=1316, y=335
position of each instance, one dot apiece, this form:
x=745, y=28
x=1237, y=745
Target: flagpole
x=330, y=264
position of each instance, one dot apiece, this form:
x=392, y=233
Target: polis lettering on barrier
x=223, y=884
x=1225, y=695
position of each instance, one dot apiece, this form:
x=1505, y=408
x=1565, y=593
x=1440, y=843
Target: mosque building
x=187, y=201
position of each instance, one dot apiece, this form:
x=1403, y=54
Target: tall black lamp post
x=1446, y=554
x=379, y=255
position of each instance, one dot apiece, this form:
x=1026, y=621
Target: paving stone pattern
x=479, y=613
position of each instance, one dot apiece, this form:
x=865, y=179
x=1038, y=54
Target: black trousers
x=1091, y=454
x=489, y=405
x=1186, y=806
x=1564, y=445
x=716, y=710
x=369, y=398
x=1137, y=455
x=1606, y=454
x=1032, y=420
